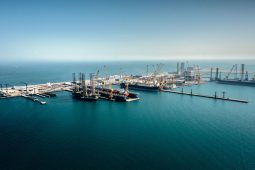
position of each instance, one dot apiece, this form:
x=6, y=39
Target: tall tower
x=182, y=67
x=242, y=72
x=217, y=74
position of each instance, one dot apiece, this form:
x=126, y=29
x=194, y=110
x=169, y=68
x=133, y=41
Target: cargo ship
x=140, y=86
x=243, y=80
x=237, y=82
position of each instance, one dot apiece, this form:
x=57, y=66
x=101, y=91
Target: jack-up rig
x=92, y=91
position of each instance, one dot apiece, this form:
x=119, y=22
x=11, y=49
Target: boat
x=237, y=82
x=117, y=95
x=49, y=94
x=141, y=86
x=242, y=80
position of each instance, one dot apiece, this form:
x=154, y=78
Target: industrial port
x=123, y=88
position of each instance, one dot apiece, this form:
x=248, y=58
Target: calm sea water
x=161, y=131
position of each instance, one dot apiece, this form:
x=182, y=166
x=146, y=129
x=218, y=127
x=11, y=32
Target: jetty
x=215, y=97
x=33, y=99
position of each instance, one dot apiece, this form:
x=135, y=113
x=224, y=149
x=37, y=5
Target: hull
x=120, y=98
x=140, y=87
x=116, y=95
x=89, y=98
x=236, y=82
x=78, y=96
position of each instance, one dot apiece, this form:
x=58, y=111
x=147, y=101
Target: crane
x=158, y=68
x=6, y=87
x=234, y=67
x=197, y=74
x=25, y=84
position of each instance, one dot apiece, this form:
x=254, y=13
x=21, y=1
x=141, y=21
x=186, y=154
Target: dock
x=33, y=99
x=39, y=95
x=215, y=97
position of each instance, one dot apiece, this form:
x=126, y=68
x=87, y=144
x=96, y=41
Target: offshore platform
x=94, y=90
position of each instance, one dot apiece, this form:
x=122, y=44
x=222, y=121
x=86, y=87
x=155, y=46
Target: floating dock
x=206, y=96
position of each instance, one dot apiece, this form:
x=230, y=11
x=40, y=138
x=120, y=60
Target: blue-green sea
x=161, y=131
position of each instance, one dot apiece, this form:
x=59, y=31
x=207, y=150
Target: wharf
x=33, y=99
x=206, y=96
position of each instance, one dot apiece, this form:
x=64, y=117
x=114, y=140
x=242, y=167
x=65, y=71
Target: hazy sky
x=130, y=29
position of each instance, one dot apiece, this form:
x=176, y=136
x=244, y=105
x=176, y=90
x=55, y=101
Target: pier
x=215, y=97
x=33, y=99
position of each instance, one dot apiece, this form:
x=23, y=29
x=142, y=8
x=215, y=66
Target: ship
x=243, y=80
x=237, y=82
x=140, y=86
x=117, y=95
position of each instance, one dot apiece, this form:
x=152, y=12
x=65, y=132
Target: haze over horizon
x=126, y=30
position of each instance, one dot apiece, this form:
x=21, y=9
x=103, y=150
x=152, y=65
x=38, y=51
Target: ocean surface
x=161, y=131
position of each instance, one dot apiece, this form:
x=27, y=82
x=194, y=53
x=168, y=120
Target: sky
x=126, y=29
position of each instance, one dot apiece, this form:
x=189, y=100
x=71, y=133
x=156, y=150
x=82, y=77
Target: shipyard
x=125, y=88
